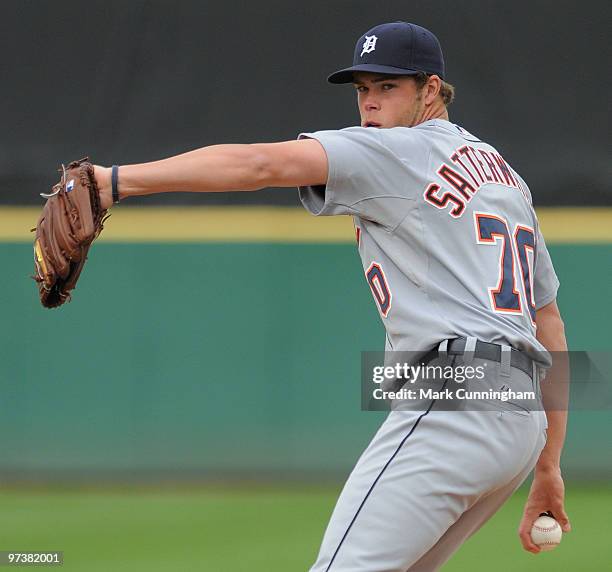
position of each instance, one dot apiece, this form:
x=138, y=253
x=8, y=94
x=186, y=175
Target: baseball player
x=460, y=274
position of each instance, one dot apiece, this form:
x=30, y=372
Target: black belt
x=487, y=351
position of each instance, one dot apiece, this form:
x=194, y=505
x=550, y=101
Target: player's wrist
x=103, y=180
x=547, y=467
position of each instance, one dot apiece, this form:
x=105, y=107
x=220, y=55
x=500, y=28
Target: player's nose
x=371, y=104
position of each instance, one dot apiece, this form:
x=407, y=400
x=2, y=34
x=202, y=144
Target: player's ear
x=432, y=88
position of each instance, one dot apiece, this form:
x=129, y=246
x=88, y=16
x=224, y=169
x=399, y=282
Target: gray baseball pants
x=429, y=480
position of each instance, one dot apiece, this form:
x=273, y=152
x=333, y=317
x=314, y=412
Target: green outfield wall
x=210, y=358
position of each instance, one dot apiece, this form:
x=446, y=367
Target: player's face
x=388, y=101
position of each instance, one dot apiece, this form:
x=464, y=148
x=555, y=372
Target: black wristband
x=114, y=180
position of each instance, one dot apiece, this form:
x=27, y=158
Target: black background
x=132, y=81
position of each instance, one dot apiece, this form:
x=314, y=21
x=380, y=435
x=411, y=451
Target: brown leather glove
x=71, y=219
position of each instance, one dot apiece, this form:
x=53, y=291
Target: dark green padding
x=211, y=359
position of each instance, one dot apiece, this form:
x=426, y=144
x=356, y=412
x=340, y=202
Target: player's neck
x=436, y=110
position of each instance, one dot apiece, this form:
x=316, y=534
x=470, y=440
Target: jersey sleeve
x=546, y=282
x=366, y=178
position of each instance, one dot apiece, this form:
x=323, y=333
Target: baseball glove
x=70, y=221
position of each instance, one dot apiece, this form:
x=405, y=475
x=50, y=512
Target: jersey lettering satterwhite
x=470, y=176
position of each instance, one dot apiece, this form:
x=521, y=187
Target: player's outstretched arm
x=547, y=491
x=221, y=168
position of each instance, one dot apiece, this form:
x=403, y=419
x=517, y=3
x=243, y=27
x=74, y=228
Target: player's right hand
x=547, y=494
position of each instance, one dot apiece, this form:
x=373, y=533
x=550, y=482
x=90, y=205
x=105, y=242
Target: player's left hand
x=547, y=494
x=72, y=218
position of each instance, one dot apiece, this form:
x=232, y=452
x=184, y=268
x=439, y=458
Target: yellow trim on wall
x=276, y=224
x=576, y=225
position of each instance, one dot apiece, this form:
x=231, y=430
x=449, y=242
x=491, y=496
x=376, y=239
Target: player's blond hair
x=447, y=91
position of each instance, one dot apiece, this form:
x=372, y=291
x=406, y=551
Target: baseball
x=546, y=533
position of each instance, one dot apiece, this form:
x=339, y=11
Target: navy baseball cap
x=398, y=48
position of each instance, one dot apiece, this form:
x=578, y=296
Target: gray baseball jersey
x=447, y=233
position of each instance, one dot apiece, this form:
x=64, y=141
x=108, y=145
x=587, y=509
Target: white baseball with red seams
x=546, y=533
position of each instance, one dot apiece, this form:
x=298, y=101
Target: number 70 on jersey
x=515, y=244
